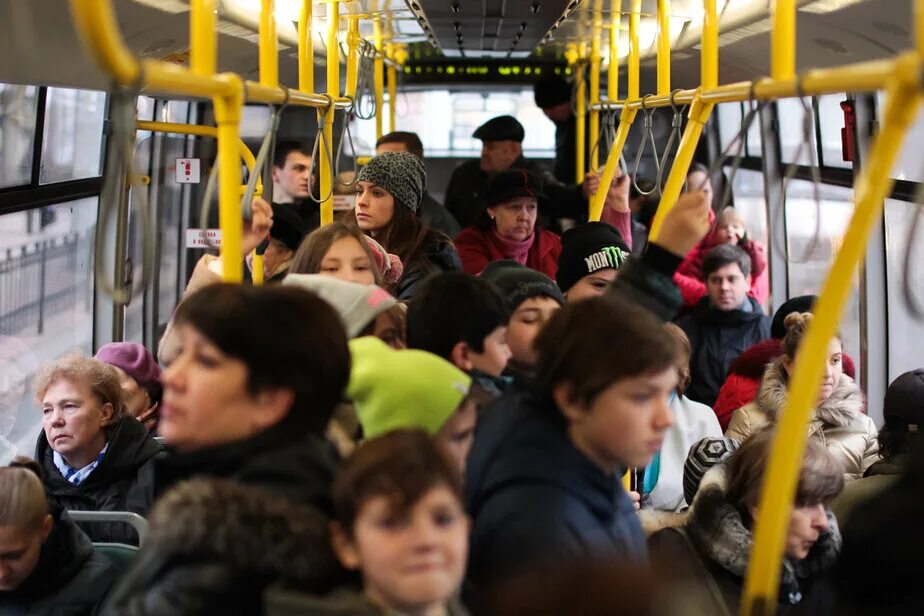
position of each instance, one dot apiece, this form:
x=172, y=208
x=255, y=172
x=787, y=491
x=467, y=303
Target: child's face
x=493, y=359
x=411, y=562
x=592, y=285
x=458, y=433
x=624, y=424
x=729, y=229
x=525, y=323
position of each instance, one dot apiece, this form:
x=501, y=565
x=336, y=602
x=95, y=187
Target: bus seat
x=126, y=517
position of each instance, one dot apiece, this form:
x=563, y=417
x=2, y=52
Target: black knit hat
x=511, y=184
x=704, y=454
x=588, y=248
x=802, y=303
x=501, y=128
x=288, y=226
x=519, y=283
x=904, y=400
x=550, y=91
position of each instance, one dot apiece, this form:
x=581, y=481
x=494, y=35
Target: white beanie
x=357, y=304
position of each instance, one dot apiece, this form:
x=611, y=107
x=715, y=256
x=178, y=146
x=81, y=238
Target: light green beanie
x=402, y=389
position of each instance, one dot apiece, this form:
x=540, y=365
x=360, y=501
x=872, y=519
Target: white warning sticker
x=187, y=170
x=203, y=238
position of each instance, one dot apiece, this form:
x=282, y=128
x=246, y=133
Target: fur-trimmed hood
x=843, y=406
x=720, y=534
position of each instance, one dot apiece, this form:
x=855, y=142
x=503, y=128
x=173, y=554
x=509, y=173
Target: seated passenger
x=837, y=420
x=366, y=310
x=47, y=564
x=662, y=485
x=703, y=457
x=729, y=230
x=713, y=548
x=95, y=456
x=591, y=255
x=533, y=298
x=903, y=411
x=745, y=373
x=389, y=190
x=399, y=524
x=413, y=389
x=543, y=480
x=724, y=323
x=462, y=319
x=246, y=402
x=432, y=212
x=507, y=227
x=139, y=376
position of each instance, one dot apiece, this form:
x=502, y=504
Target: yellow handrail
x=305, y=49
x=333, y=90
x=580, y=110
x=269, y=56
x=612, y=83
x=664, y=47
x=379, y=76
x=594, y=128
x=200, y=131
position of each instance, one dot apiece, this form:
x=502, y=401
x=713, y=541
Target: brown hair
x=796, y=323
x=398, y=314
x=684, y=352
x=22, y=496
x=402, y=465
x=585, y=344
x=99, y=377
x=314, y=247
x=820, y=479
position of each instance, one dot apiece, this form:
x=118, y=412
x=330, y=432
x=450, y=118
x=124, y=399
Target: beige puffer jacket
x=838, y=423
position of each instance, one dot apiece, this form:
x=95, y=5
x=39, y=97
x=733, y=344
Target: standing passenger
x=724, y=323
x=837, y=420
x=95, y=456
x=389, y=190
x=507, y=229
x=291, y=181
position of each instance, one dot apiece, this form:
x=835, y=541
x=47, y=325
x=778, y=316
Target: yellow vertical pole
x=227, y=118
x=392, y=88
x=379, y=77
x=581, y=119
x=779, y=486
x=269, y=56
x=203, y=37
x=633, y=49
x=783, y=40
x=698, y=116
x=612, y=79
x=333, y=90
x=305, y=49
x=595, y=86
x=664, y=47
x=352, y=56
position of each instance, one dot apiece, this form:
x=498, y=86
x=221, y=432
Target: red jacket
x=745, y=374
x=478, y=247
x=689, y=276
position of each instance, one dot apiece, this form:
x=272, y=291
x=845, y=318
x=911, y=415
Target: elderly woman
x=49, y=566
x=248, y=473
x=95, y=455
x=507, y=230
x=139, y=376
x=712, y=550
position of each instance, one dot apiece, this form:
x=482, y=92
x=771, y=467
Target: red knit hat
x=136, y=361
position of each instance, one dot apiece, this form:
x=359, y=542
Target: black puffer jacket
x=123, y=481
x=717, y=338
x=436, y=255
x=69, y=579
x=214, y=549
x=215, y=545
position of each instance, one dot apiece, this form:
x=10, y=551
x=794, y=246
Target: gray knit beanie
x=401, y=174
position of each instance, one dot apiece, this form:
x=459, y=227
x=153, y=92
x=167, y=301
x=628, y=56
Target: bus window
x=905, y=330
x=73, y=139
x=790, y=113
x=18, y=107
x=831, y=118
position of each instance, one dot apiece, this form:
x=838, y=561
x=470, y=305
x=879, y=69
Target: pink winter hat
x=136, y=361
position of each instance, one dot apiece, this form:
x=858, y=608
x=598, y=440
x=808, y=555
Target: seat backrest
x=121, y=554
x=125, y=517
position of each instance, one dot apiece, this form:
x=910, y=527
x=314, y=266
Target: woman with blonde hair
x=837, y=422
x=95, y=455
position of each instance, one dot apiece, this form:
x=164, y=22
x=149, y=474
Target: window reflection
x=905, y=330
x=73, y=138
x=46, y=306
x=750, y=201
x=831, y=118
x=18, y=111
x=791, y=113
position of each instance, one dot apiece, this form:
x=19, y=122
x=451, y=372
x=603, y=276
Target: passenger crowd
x=432, y=410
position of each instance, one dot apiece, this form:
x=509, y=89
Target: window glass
x=809, y=261
x=908, y=165
x=46, y=306
x=791, y=114
x=729, y=117
x=749, y=200
x=445, y=122
x=754, y=138
x=905, y=330
x=73, y=139
x=18, y=111
x=831, y=117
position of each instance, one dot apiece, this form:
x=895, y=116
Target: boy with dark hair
x=400, y=524
x=543, y=481
x=463, y=319
x=292, y=181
